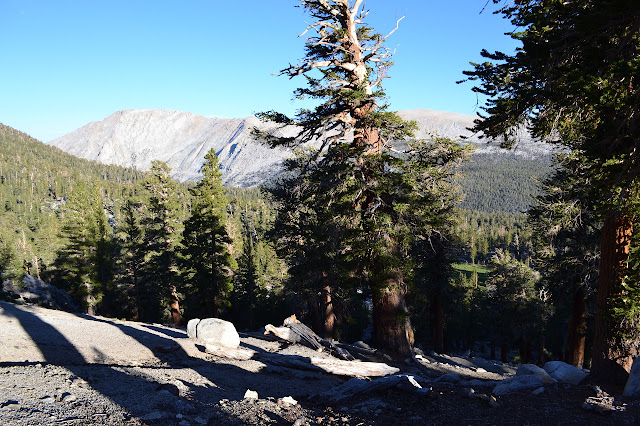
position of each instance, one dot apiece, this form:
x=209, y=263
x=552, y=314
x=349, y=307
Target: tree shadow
x=139, y=393
x=177, y=334
x=129, y=387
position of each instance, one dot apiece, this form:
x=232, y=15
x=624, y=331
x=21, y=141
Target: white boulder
x=565, y=373
x=214, y=331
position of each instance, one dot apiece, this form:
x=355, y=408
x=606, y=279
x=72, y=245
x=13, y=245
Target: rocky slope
x=133, y=138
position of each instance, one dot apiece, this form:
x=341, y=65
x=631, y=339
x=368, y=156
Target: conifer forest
x=432, y=247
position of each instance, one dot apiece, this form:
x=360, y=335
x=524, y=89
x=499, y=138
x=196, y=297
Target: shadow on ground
x=177, y=383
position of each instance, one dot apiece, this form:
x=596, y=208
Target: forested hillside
x=503, y=183
x=35, y=183
x=106, y=233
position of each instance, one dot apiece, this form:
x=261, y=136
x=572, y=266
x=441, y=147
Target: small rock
x=449, y=378
x=156, y=415
x=200, y=420
x=48, y=399
x=301, y=421
x=538, y=391
x=603, y=405
x=67, y=397
x=78, y=382
x=480, y=370
x=249, y=394
x=286, y=401
x=169, y=388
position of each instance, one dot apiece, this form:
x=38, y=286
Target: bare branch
x=356, y=6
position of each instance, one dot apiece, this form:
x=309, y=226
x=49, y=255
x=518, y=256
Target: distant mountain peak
x=135, y=137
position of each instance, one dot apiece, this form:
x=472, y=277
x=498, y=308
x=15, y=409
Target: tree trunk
x=612, y=353
x=391, y=324
x=504, y=350
x=328, y=314
x=541, y=350
x=437, y=326
x=576, y=334
x=174, y=306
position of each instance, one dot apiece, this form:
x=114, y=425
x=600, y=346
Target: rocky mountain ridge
x=133, y=138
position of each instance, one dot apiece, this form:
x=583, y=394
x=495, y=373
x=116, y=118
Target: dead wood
x=296, y=332
x=331, y=366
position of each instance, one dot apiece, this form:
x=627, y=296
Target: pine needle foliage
x=354, y=199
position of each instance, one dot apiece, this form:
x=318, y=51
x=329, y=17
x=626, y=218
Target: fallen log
x=331, y=366
x=296, y=332
x=285, y=333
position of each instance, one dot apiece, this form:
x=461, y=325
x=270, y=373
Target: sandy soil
x=65, y=369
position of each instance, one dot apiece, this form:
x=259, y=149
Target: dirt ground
x=64, y=369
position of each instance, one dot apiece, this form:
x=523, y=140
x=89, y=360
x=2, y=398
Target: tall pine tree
x=162, y=226
x=206, y=259
x=358, y=189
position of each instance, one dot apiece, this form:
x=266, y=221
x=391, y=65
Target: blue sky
x=67, y=63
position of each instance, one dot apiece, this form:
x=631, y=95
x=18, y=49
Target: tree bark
x=392, y=327
x=576, y=334
x=174, y=306
x=612, y=353
x=504, y=350
x=437, y=326
x=328, y=314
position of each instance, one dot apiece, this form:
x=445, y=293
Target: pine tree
x=309, y=238
x=352, y=185
x=161, y=224
x=517, y=305
x=207, y=262
x=258, y=280
x=574, y=81
x=567, y=240
x=84, y=263
x=130, y=262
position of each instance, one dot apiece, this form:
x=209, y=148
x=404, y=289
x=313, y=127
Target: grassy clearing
x=468, y=268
